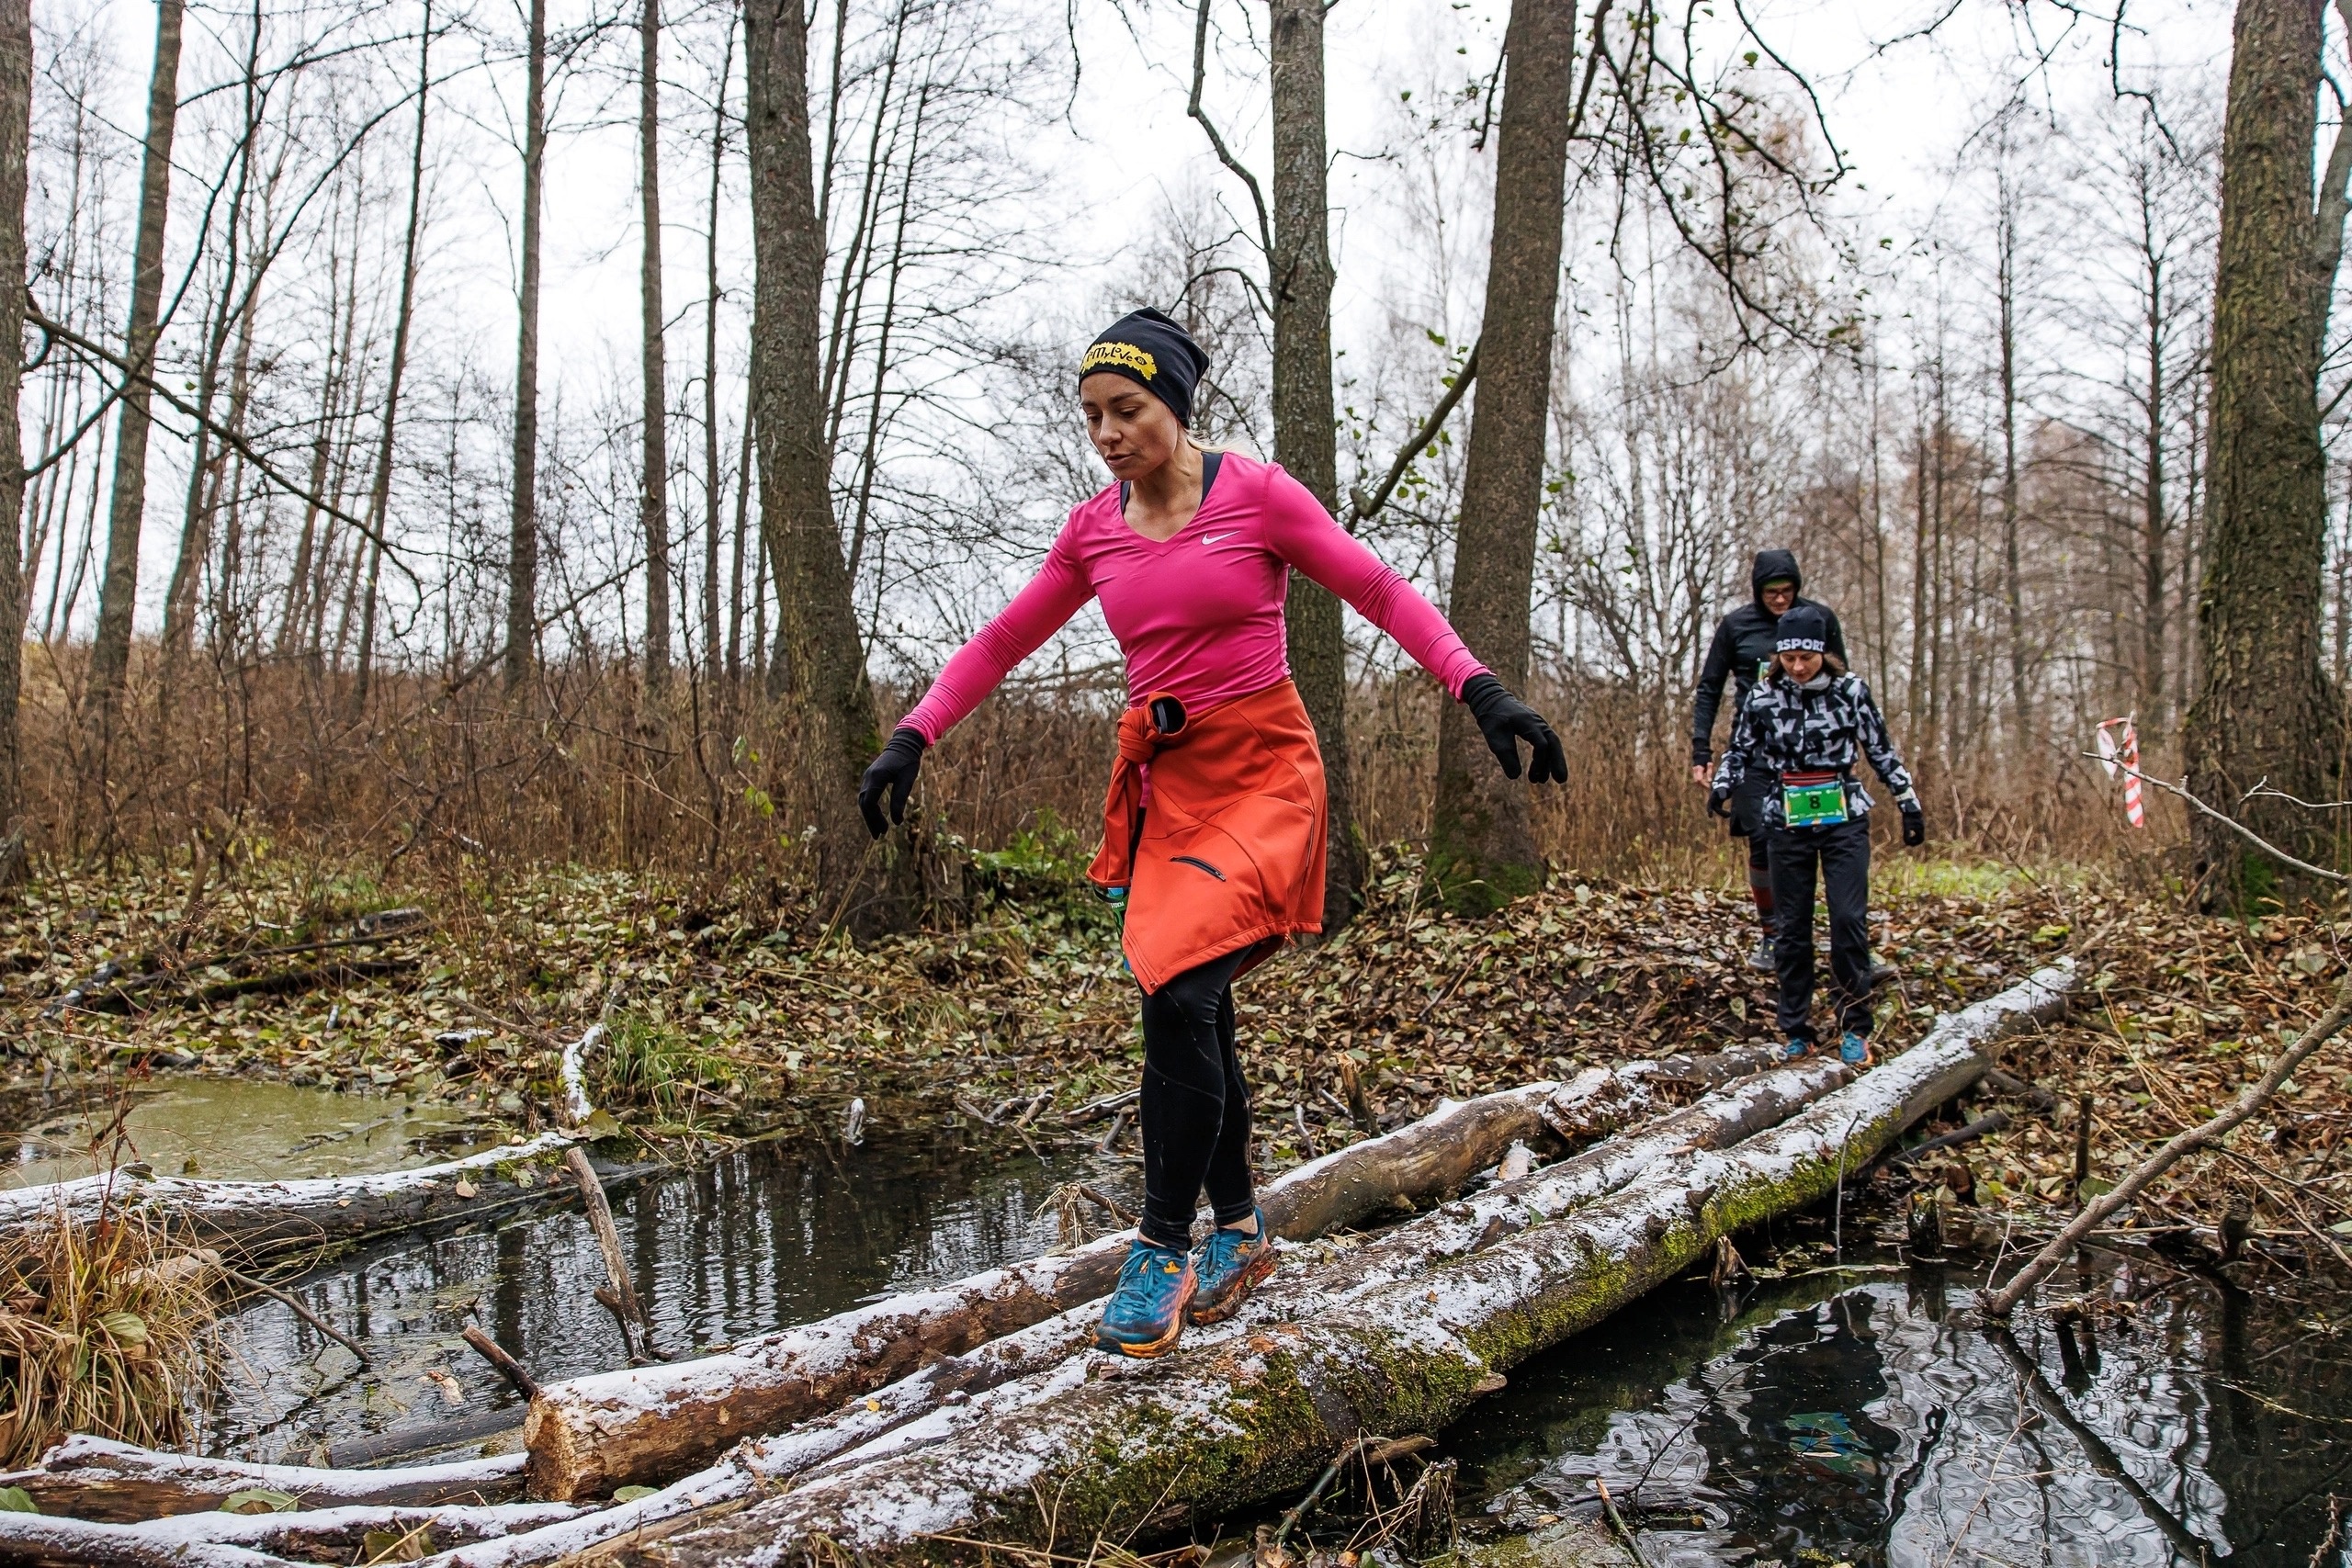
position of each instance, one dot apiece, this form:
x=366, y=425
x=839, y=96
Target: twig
x=246, y=1282
x=625, y=1307
x=1361, y=506
x=2250, y=1099
x=524, y=1384
x=1617, y=1521
x=1992, y=1122
x=2232, y=823
x=1106, y=1204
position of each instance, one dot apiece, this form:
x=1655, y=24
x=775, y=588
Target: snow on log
x=1145, y=1446
x=95, y=1478
x=257, y=1219
x=1047, y=1358
x=329, y=1534
x=647, y=1424
x=589, y=1434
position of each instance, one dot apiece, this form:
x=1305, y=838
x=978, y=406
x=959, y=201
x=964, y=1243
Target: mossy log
x=1139, y=1447
x=648, y=1425
x=257, y=1540
x=95, y=1478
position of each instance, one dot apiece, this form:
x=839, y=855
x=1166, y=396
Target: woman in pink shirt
x=1214, y=832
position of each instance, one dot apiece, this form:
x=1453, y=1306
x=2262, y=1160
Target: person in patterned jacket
x=1801, y=729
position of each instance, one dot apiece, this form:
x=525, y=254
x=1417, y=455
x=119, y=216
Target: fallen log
x=95, y=1478
x=256, y=1220
x=645, y=1425
x=328, y=1535
x=1224, y=1425
x=1034, y=1364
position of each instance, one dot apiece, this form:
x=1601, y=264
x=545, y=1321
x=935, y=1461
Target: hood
x=1769, y=565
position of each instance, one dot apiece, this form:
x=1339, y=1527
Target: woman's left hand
x=1506, y=721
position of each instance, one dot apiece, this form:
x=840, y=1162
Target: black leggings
x=1195, y=1113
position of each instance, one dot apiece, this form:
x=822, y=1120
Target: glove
x=1915, y=821
x=1506, y=721
x=1719, y=801
x=893, y=771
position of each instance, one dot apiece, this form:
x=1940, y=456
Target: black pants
x=1194, y=1114
x=1748, y=822
x=1843, y=856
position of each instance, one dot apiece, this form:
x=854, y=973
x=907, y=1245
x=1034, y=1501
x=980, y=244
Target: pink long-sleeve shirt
x=1199, y=616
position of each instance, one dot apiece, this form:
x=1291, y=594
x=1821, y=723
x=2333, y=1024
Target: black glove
x=1506, y=721
x=1915, y=825
x=1719, y=801
x=894, y=771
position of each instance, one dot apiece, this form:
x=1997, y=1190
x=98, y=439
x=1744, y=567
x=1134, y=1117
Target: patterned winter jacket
x=1783, y=727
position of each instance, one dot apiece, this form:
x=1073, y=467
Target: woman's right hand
x=893, y=771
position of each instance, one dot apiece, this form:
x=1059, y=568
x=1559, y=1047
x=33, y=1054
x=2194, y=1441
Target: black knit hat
x=1803, y=629
x=1153, y=352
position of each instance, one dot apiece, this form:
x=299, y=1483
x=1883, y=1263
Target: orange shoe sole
x=1245, y=1281
x=1152, y=1348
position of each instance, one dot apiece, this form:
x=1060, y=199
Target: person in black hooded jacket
x=1742, y=647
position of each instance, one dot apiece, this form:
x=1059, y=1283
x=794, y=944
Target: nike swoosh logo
x=1213, y=539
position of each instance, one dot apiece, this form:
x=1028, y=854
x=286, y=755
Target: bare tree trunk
x=1300, y=279
x=379, y=499
x=2153, y=523
x=714, y=497
x=118, y=590
x=817, y=631
x=2012, y=580
x=735, y=577
x=654, y=507
x=1482, y=838
x=523, y=538
x=16, y=135
x=2263, y=711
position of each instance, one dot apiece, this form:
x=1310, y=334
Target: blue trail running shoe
x=1797, y=1049
x=1231, y=1265
x=1854, y=1051
x=1147, y=1311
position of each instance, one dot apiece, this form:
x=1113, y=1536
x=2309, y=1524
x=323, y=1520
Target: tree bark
x=1482, y=839
x=714, y=498
x=2262, y=710
x=523, y=534
x=16, y=135
x=118, y=589
x=654, y=496
x=2013, y=574
x=2155, y=525
x=1226, y=1424
x=1299, y=280
x=818, y=632
x=379, y=495
x=216, y=1540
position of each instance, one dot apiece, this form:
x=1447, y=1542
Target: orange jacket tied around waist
x=1216, y=830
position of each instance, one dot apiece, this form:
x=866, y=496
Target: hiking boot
x=1229, y=1265
x=1797, y=1049
x=1761, y=959
x=1855, y=1050
x=1147, y=1311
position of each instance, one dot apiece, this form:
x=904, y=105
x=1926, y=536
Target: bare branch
x=1361, y=506
x=1224, y=154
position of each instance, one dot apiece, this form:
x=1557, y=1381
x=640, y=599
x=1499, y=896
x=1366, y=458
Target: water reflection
x=1875, y=1425
x=763, y=1238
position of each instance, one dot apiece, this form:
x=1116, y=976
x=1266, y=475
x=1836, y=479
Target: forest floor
x=718, y=1023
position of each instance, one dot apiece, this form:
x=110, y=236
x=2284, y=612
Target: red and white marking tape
x=2118, y=753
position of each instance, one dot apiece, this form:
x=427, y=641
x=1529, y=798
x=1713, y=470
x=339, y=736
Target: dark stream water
x=1865, y=1419
x=763, y=1238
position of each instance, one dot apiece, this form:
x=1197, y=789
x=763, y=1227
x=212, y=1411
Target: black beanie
x=1803, y=629
x=1153, y=352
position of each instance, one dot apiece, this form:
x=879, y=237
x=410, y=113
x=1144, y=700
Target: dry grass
x=446, y=772
x=103, y=1328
